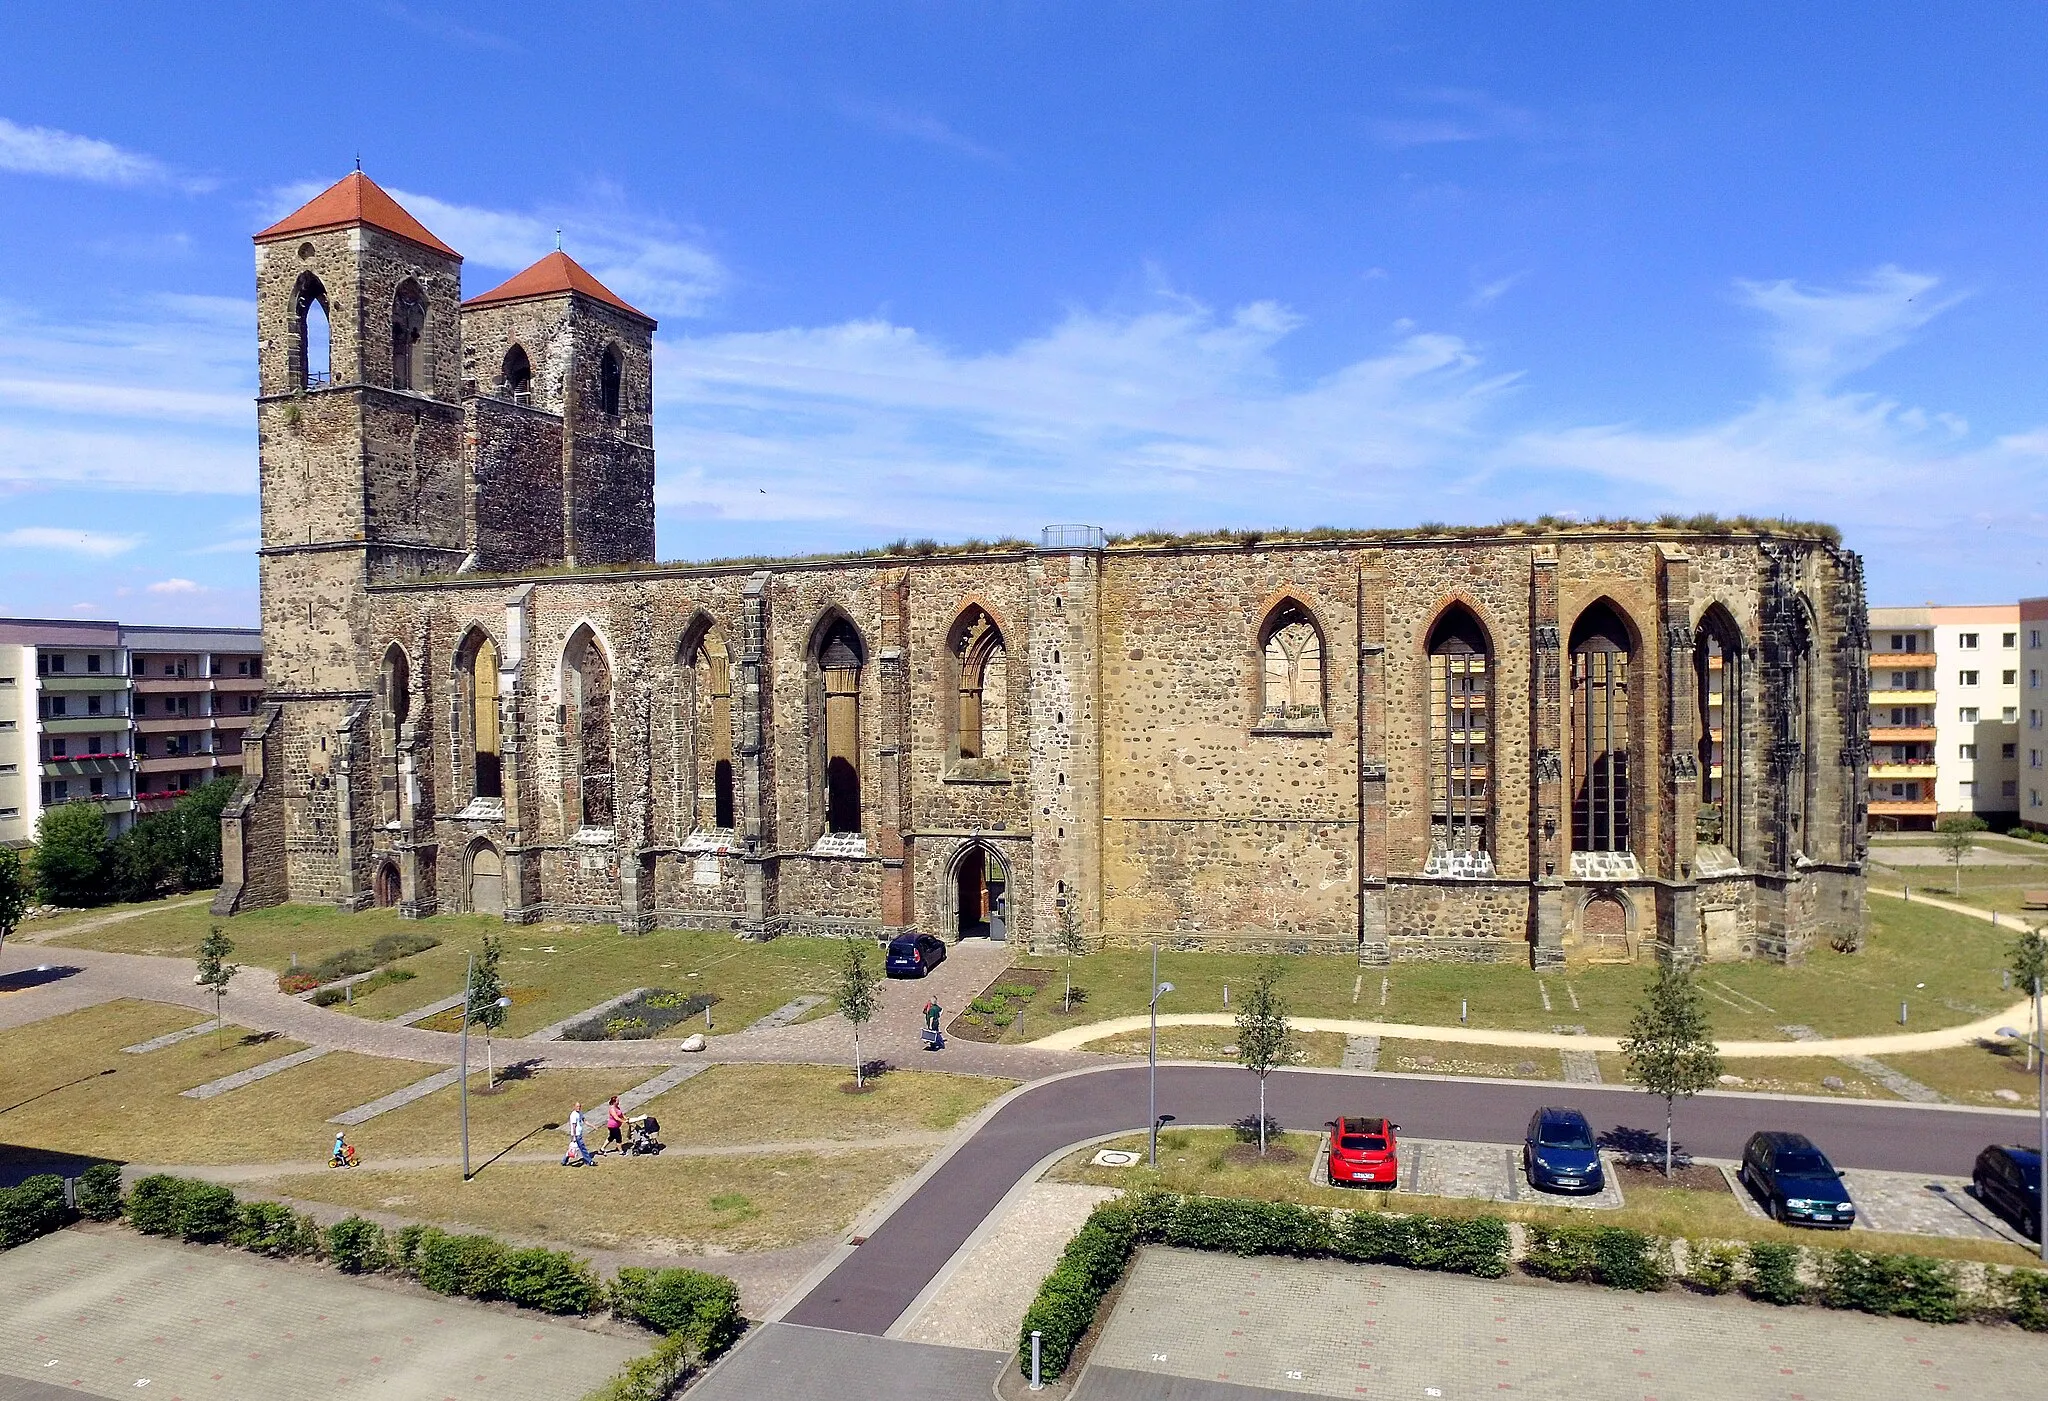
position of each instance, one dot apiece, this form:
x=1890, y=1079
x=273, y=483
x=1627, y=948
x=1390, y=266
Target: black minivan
x=1795, y=1181
x=2008, y=1180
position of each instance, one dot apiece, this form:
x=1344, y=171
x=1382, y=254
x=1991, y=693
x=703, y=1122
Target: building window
x=92, y=661
x=839, y=654
x=587, y=717
x=2033, y=637
x=610, y=373
x=2033, y=758
x=312, y=340
x=57, y=663
x=1900, y=642
x=1967, y=678
x=1966, y=751
x=980, y=662
x=2008, y=678
x=2033, y=678
x=408, y=322
x=59, y=748
x=2008, y=751
x=1460, y=733
x=1600, y=730
x=1967, y=641
x=1967, y=714
x=1291, y=667
x=57, y=707
x=709, y=668
x=242, y=705
x=515, y=377
x=477, y=667
x=10, y=812
x=2009, y=715
x=2009, y=788
x=1967, y=788
x=2009, y=639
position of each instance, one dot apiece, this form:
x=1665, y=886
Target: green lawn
x=1217, y=1043
x=1973, y=1075
x=1985, y=887
x=1956, y=957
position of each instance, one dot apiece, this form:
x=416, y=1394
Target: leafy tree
x=197, y=842
x=143, y=860
x=1956, y=835
x=13, y=892
x=1263, y=1037
x=1066, y=937
x=857, y=998
x=485, y=988
x=1670, y=1044
x=216, y=972
x=71, y=855
x=2029, y=964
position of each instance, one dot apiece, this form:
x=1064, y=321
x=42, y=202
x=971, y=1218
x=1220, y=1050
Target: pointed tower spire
x=355, y=199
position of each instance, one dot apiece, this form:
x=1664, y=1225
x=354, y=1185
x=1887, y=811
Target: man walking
x=578, y=1155
x=933, y=1040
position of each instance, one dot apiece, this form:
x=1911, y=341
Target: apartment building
x=90, y=711
x=2033, y=727
x=1944, y=714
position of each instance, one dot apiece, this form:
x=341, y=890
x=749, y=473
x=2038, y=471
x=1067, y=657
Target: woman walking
x=614, y=1126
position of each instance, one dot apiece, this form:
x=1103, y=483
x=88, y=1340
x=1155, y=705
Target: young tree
x=216, y=972
x=857, y=998
x=1067, y=939
x=485, y=988
x=13, y=892
x=71, y=855
x=1956, y=835
x=1263, y=1037
x=2029, y=964
x=1670, y=1044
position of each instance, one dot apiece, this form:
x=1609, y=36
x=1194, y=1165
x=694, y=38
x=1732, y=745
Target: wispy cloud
x=91, y=543
x=1453, y=116
x=895, y=119
x=658, y=266
x=64, y=155
x=178, y=586
x=442, y=27
x=1820, y=335
x=1485, y=294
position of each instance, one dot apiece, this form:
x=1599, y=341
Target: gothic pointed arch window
x=708, y=700
x=516, y=376
x=611, y=371
x=1601, y=728
x=1718, y=675
x=980, y=662
x=477, y=746
x=838, y=654
x=1460, y=745
x=312, y=348
x=1801, y=771
x=1291, y=667
x=587, y=729
x=408, y=324
x=394, y=694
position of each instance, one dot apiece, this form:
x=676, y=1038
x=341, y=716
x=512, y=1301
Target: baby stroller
x=643, y=1136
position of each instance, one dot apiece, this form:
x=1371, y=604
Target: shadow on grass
x=44, y=1094
x=477, y=1171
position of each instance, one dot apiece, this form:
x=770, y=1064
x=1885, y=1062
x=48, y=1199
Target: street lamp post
x=1159, y=990
x=2039, y=1046
x=462, y=1073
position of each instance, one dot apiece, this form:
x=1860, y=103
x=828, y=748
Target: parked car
x=1795, y=1181
x=2008, y=1180
x=914, y=955
x=1559, y=1154
x=1364, y=1153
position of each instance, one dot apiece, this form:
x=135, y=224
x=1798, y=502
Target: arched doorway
x=1603, y=930
x=486, y=881
x=385, y=885
x=981, y=895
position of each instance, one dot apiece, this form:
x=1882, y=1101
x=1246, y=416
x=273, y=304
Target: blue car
x=1559, y=1154
x=1795, y=1181
x=913, y=955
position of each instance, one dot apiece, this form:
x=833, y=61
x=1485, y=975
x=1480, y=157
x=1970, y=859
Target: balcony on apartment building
x=1880, y=695
x=73, y=682
x=1902, y=807
x=1903, y=661
x=1902, y=734
x=1917, y=768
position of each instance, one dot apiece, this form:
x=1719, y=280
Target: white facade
x=2032, y=760
x=1977, y=710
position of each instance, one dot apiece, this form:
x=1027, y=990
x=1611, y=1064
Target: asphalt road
x=878, y=1281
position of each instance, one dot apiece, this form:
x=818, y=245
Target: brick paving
x=398, y=1098
x=170, y=1038
x=980, y=1302
x=254, y=1073
x=1361, y=1053
x=661, y=1084
x=1325, y=1328
x=111, y=1313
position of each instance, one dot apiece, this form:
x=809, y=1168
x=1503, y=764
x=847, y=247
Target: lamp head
x=2009, y=1033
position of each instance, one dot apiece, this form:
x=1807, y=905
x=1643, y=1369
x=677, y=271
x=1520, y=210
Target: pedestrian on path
x=933, y=1041
x=578, y=1155
x=614, y=1125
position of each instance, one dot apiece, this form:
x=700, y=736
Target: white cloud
x=1819, y=335
x=42, y=150
x=92, y=543
x=176, y=586
x=894, y=119
x=1456, y=116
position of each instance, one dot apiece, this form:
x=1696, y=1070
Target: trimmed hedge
x=705, y=1306
x=1611, y=1255
x=654, y=1377
x=551, y=1281
x=1712, y=1269
x=356, y=1246
x=1892, y=1286
x=99, y=1192
x=468, y=1265
x=35, y=1208
x=272, y=1228
x=1477, y=1245
x=1774, y=1273
x=2023, y=1297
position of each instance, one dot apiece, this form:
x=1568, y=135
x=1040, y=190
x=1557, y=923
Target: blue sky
x=966, y=270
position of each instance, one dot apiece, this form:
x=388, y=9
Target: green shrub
x=405, y=1247
x=403, y=944
x=705, y=1306
x=654, y=1377
x=35, y=1208
x=207, y=1211
x=343, y=963
x=155, y=1202
x=268, y=1228
x=552, y=1281
x=1249, y=1227
x=1774, y=1273
x=1093, y=1261
x=1611, y=1255
x=2023, y=1296
x=1562, y=1253
x=469, y=1265
x=327, y=997
x=1900, y=1286
x=99, y=1192
x=357, y=1246
x=1711, y=1269
x=1475, y=1246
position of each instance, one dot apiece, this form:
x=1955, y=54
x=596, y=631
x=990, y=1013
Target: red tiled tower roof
x=356, y=199
x=551, y=277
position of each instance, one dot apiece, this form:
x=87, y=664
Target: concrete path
x=40, y=931
x=789, y=1363
x=116, y=1314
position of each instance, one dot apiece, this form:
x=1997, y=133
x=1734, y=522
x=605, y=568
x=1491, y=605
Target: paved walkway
x=1219, y=1325
x=786, y=1363
x=111, y=1313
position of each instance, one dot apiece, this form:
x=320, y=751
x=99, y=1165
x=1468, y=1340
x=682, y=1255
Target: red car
x=1363, y=1153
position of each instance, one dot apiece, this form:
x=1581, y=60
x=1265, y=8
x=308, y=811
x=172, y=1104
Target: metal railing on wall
x=1072, y=537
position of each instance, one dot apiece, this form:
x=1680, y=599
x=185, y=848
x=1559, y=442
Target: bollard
x=1226, y=994
x=1902, y=1014
x=1036, y=1384
x=1464, y=1010
x=707, y=1016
